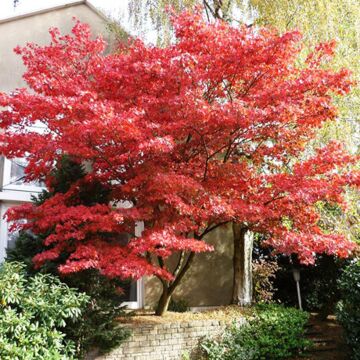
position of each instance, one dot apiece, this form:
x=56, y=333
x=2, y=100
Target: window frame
x=8, y=186
x=4, y=227
x=140, y=285
x=139, y=303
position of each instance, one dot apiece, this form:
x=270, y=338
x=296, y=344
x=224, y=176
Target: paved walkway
x=328, y=340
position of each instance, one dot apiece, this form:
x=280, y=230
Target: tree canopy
x=318, y=21
x=188, y=137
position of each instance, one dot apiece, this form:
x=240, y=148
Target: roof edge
x=54, y=8
x=96, y=10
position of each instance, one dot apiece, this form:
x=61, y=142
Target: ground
x=327, y=336
x=225, y=313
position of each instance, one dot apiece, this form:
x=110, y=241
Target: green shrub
x=321, y=292
x=272, y=332
x=179, y=306
x=33, y=313
x=98, y=328
x=319, y=287
x=26, y=246
x=348, y=309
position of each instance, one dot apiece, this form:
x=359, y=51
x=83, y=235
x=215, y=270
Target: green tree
x=98, y=328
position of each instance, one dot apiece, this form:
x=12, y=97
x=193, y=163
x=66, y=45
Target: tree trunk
x=164, y=302
x=169, y=288
x=242, y=267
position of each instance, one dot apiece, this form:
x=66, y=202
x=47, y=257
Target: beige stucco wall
x=34, y=28
x=209, y=280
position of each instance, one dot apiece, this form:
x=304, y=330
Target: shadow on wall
x=208, y=281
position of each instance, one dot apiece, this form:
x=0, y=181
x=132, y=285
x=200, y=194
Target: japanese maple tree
x=209, y=130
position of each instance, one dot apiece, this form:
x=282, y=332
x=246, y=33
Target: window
x=133, y=294
x=14, y=170
x=133, y=290
x=17, y=171
x=7, y=238
x=13, y=177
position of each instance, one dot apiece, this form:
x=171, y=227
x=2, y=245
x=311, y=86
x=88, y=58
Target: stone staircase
x=327, y=338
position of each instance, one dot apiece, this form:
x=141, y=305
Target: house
x=209, y=281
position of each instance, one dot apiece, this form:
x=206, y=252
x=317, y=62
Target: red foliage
x=204, y=132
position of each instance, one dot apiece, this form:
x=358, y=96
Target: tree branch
x=181, y=273
x=211, y=228
x=179, y=264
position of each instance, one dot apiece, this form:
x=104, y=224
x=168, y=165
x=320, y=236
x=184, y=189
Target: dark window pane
x=130, y=291
x=129, y=287
x=12, y=239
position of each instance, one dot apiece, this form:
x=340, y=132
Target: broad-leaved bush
x=348, y=311
x=272, y=332
x=33, y=314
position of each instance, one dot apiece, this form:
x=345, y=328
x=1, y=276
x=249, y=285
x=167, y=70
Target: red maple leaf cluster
x=209, y=130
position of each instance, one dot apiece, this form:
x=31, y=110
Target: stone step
x=321, y=340
x=309, y=325
x=312, y=332
x=322, y=349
